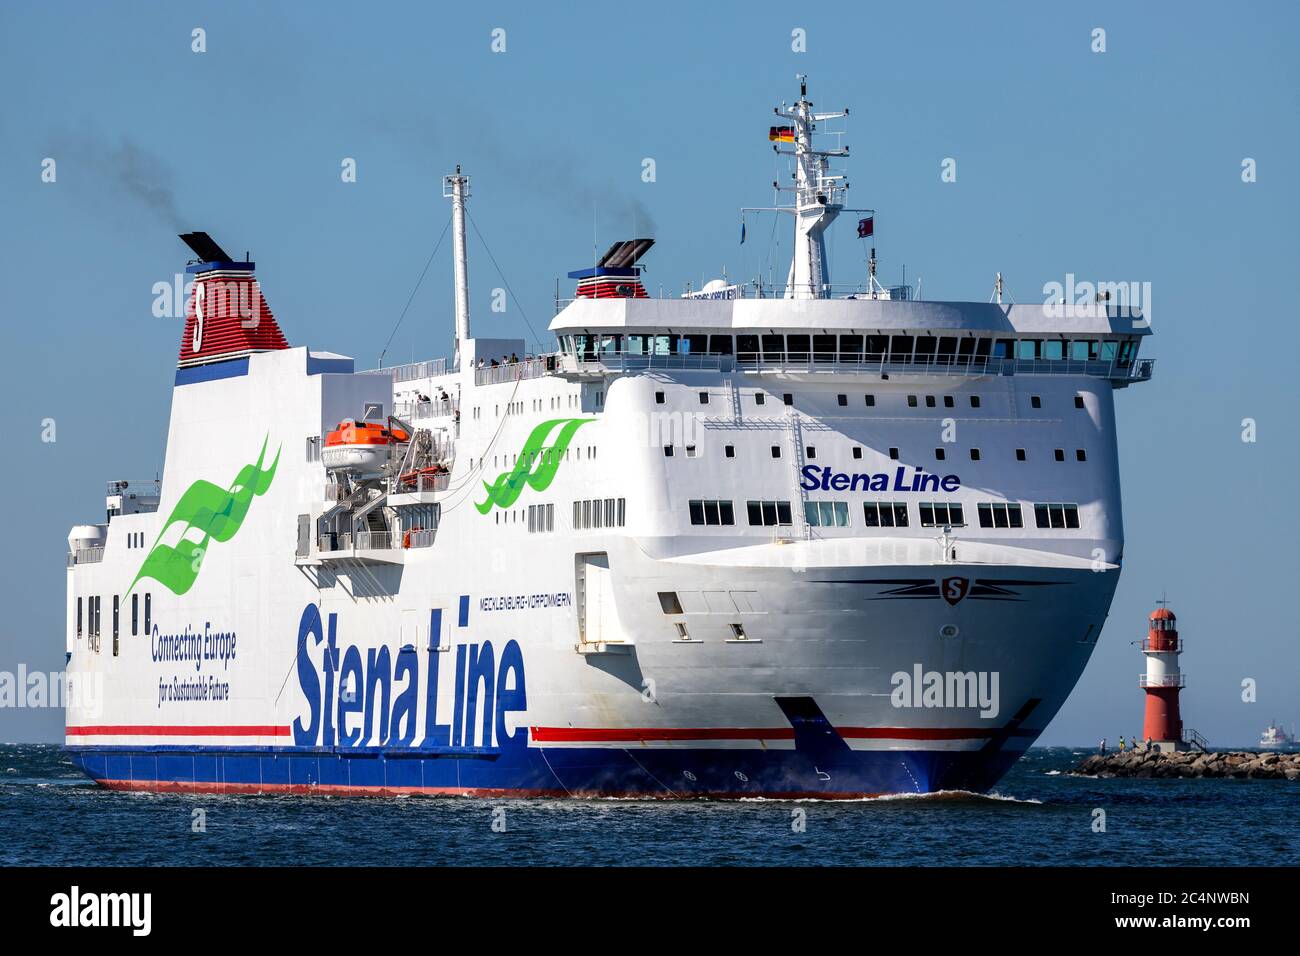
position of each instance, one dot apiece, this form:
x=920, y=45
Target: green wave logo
x=216, y=513
x=536, y=465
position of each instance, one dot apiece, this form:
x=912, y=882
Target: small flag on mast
x=866, y=227
x=781, y=134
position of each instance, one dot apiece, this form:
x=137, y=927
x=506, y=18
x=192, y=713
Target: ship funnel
x=227, y=316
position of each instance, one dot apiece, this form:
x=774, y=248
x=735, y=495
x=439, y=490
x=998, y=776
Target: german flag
x=781, y=134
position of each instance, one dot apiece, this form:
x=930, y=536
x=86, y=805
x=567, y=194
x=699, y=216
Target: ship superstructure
x=747, y=542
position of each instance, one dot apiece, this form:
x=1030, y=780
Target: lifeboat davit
x=361, y=448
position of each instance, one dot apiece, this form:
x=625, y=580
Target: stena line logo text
x=458, y=698
x=817, y=478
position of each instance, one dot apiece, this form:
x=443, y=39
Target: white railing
x=532, y=367
x=411, y=484
x=1178, y=681
x=411, y=371
x=418, y=411
x=85, y=556
x=138, y=486
x=374, y=541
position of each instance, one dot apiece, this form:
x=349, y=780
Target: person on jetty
x=1102, y=748
x=1121, y=743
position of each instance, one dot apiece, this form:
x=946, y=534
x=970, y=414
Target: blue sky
x=1118, y=166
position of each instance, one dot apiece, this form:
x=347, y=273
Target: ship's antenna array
x=819, y=194
x=456, y=188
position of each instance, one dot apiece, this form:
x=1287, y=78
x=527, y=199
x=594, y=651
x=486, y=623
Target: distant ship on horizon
x=1275, y=738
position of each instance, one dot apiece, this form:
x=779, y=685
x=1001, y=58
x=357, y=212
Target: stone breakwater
x=1193, y=763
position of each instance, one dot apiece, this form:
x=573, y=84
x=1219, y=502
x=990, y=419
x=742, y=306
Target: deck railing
x=85, y=556
x=884, y=365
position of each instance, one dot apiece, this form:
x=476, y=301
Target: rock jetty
x=1193, y=763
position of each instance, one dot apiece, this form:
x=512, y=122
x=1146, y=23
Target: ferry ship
x=1275, y=737
x=798, y=541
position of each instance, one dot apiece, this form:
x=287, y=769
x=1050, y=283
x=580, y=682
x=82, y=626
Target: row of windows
x=599, y=513
x=913, y=401
x=135, y=539
x=1056, y=516
x=712, y=512
x=800, y=347
x=541, y=518
x=88, y=618
x=883, y=514
x=940, y=453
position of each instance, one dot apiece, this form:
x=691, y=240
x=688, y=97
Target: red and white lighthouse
x=1162, y=681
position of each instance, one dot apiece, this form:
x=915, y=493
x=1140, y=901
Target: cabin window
x=893, y=454
x=1020, y=454
x=729, y=451
x=690, y=451
x=851, y=348
x=1000, y=515
x=759, y=398
x=148, y=612
x=695, y=344
x=1080, y=455
x=857, y=451
x=659, y=398
x=1059, y=454
x=870, y=400
x=78, y=617
x=842, y=400
x=768, y=513
x=776, y=451
x=774, y=348
x=941, y=514
x=712, y=512
x=929, y=401
x=824, y=348
x=974, y=401
x=668, y=451
x=974, y=454
x=747, y=348
x=1035, y=401
x=826, y=514
x=797, y=346
x=1053, y=515
x=939, y=454
x=719, y=344
x=885, y=514
x=788, y=398
x=669, y=602
x=704, y=398
x=948, y=401
x=911, y=401
x=1078, y=401
x=810, y=452
x=135, y=614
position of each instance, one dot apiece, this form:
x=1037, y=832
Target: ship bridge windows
x=926, y=348
x=876, y=346
x=694, y=344
x=773, y=348
x=797, y=347
x=719, y=344
x=747, y=348
x=824, y=348
x=851, y=348
x=900, y=348
x=1056, y=515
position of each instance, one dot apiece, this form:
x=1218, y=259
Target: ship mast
x=456, y=188
x=818, y=198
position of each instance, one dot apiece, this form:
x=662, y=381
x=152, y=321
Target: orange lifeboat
x=361, y=448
